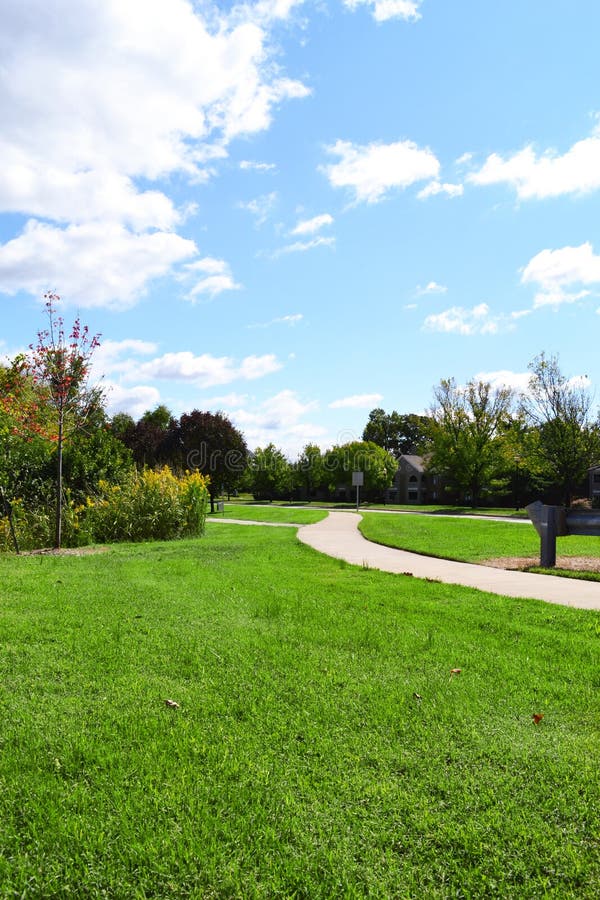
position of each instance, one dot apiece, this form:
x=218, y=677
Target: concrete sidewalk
x=338, y=536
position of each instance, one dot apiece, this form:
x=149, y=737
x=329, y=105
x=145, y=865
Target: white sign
x=358, y=479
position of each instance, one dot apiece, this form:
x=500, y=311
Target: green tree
x=563, y=440
x=50, y=394
x=396, y=433
x=377, y=465
x=269, y=473
x=208, y=443
x=309, y=471
x=466, y=432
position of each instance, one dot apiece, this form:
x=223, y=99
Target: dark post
x=548, y=538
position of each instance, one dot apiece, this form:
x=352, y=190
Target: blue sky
x=297, y=211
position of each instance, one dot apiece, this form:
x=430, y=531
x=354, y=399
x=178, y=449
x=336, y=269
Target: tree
x=55, y=372
x=466, y=432
x=269, y=473
x=152, y=439
x=377, y=465
x=308, y=470
x=562, y=441
x=209, y=443
x=398, y=434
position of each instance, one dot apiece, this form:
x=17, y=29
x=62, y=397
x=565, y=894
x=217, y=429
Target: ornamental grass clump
x=147, y=505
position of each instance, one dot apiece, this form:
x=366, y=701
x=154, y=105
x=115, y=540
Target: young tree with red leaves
x=47, y=390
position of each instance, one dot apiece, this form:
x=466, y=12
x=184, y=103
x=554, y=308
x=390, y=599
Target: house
x=413, y=484
x=594, y=484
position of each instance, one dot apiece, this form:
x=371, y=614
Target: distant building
x=413, y=484
x=594, y=484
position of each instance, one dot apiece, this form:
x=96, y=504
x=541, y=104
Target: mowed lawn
x=274, y=514
x=468, y=540
x=321, y=746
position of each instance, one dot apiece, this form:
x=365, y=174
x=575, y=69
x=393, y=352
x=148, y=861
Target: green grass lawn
x=436, y=508
x=468, y=540
x=270, y=513
x=321, y=747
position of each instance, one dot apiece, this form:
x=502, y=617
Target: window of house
x=413, y=496
x=597, y=478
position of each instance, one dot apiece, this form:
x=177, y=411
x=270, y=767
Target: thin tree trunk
x=59, y=460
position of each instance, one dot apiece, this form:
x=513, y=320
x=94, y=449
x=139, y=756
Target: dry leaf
x=172, y=704
x=455, y=671
x=537, y=718
x=417, y=696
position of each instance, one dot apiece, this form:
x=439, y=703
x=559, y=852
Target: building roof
x=414, y=461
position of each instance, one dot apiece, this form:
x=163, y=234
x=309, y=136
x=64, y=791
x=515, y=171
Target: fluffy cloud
x=95, y=264
x=137, y=88
x=248, y=165
x=432, y=287
x=557, y=272
x=215, y=278
x=303, y=246
x=382, y=10
x=311, y=226
x=206, y=370
x=261, y=207
x=436, y=187
x=518, y=381
x=97, y=102
x=550, y=174
x=357, y=401
x=132, y=400
x=374, y=169
x=278, y=420
x=458, y=320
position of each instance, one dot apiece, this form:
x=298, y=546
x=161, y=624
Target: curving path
x=338, y=536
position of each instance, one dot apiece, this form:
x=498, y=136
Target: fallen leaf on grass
x=172, y=704
x=455, y=671
x=417, y=696
x=537, y=718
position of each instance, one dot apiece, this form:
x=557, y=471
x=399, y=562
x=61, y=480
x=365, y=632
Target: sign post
x=358, y=479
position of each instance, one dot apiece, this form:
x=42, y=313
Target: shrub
x=149, y=505
x=34, y=527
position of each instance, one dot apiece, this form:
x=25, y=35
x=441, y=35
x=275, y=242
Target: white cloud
x=382, y=10
x=225, y=401
x=458, y=320
x=207, y=370
x=518, y=381
x=303, y=246
x=357, y=401
x=215, y=278
x=108, y=357
x=432, y=287
x=278, y=420
x=374, y=169
x=95, y=264
x=96, y=64
x=556, y=271
x=311, y=226
x=550, y=174
x=261, y=207
x=436, y=187
x=133, y=400
x=248, y=165
x=291, y=320
x=97, y=102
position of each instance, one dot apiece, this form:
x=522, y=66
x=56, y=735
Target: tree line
x=495, y=443
x=58, y=445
